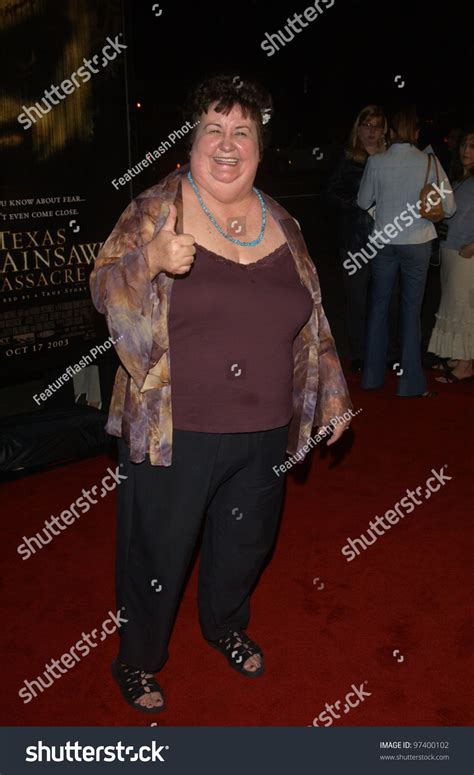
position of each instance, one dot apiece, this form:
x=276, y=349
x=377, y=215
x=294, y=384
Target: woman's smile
x=226, y=161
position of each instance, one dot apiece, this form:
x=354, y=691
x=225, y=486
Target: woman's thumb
x=170, y=223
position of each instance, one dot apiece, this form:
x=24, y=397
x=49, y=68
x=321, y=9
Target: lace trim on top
x=270, y=258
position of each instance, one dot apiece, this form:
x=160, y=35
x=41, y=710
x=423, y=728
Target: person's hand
x=168, y=251
x=337, y=433
x=467, y=251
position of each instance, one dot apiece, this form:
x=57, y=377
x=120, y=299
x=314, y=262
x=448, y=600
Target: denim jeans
x=356, y=293
x=413, y=262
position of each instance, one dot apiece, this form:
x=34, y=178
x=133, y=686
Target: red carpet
x=324, y=623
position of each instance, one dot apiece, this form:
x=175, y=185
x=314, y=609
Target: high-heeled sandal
x=448, y=378
x=443, y=365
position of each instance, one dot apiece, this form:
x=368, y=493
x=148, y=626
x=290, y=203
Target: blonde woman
x=367, y=137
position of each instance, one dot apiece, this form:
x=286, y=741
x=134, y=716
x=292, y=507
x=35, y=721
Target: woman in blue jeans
x=400, y=242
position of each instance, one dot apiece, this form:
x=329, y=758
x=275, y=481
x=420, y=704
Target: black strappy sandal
x=237, y=647
x=134, y=683
x=448, y=378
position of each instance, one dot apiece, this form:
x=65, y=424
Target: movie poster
x=64, y=136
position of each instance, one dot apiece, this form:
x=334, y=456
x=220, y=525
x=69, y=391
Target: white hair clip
x=266, y=115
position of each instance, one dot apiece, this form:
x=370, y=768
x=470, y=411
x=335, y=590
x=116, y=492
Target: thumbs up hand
x=170, y=252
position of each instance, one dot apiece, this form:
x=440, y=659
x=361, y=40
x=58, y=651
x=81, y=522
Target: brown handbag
x=431, y=204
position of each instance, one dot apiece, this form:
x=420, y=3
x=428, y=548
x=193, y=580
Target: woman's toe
x=150, y=700
x=253, y=663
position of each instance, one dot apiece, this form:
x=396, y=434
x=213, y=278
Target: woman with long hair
x=453, y=334
x=368, y=137
x=401, y=243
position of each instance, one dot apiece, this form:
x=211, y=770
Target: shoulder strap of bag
x=435, y=160
x=427, y=170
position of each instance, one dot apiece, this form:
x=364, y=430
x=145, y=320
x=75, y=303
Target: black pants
x=226, y=477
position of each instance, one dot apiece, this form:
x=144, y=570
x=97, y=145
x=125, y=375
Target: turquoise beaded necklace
x=253, y=242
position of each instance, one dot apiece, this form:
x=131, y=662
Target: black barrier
x=234, y=751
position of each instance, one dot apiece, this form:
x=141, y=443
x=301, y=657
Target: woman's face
x=225, y=152
x=371, y=132
x=466, y=151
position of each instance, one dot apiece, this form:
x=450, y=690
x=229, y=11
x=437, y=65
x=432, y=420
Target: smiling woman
x=254, y=101
x=209, y=283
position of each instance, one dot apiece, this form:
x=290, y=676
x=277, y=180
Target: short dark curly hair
x=227, y=91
